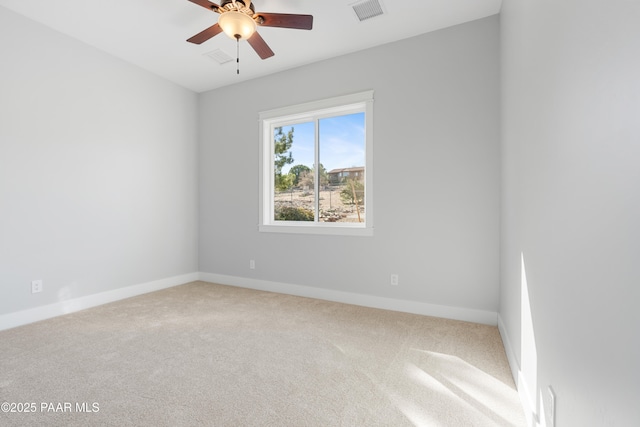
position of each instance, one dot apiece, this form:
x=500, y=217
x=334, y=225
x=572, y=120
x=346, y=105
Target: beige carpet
x=205, y=354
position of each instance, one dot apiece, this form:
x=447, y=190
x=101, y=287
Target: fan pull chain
x=237, y=54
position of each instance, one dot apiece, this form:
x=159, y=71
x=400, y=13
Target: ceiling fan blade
x=285, y=20
x=206, y=4
x=260, y=46
x=205, y=35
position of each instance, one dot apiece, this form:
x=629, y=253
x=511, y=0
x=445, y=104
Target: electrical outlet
x=395, y=280
x=252, y=264
x=36, y=286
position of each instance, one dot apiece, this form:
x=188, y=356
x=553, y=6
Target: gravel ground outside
x=332, y=208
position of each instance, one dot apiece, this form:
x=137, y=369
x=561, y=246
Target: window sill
x=330, y=230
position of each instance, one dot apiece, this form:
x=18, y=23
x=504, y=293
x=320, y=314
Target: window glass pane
x=294, y=190
x=342, y=168
x=314, y=167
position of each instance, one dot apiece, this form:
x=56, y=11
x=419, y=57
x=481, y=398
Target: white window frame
x=311, y=111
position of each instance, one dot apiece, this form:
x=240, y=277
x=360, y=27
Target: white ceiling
x=152, y=33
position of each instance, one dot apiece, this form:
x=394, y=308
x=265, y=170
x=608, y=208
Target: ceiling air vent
x=219, y=56
x=367, y=9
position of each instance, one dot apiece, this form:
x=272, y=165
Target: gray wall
x=571, y=204
x=98, y=171
x=436, y=163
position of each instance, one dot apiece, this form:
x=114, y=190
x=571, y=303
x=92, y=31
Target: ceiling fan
x=239, y=20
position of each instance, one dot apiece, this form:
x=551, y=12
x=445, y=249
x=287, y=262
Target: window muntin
x=316, y=167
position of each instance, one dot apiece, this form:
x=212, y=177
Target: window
x=316, y=167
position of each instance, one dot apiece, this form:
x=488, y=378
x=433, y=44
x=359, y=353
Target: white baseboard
x=19, y=318
x=24, y=317
x=508, y=348
x=456, y=313
x=526, y=401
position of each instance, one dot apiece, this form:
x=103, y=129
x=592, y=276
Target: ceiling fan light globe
x=236, y=24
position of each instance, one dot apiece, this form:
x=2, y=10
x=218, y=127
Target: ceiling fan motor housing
x=224, y=3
